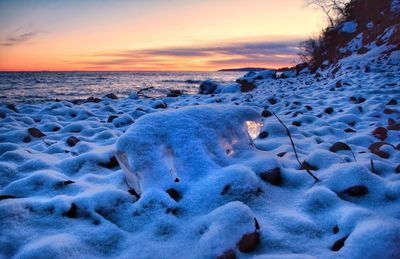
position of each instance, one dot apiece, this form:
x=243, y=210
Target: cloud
x=260, y=53
x=20, y=36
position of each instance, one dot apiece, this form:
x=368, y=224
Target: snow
x=202, y=164
x=349, y=27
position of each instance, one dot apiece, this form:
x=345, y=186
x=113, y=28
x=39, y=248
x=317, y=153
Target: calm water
x=42, y=86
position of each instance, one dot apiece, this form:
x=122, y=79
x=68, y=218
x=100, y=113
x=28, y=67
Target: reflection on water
x=41, y=86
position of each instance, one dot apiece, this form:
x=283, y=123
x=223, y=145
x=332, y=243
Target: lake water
x=43, y=86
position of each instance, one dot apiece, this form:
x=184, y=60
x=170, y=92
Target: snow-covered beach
x=63, y=193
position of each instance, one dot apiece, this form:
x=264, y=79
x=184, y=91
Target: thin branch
x=294, y=148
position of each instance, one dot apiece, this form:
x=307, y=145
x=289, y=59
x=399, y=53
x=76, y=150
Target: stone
x=36, y=133
x=328, y=110
x=229, y=254
x=174, y=93
x=174, y=194
x=272, y=176
x=111, y=118
x=392, y=102
x=356, y=191
x=380, y=133
x=338, y=244
x=208, y=87
x=245, y=85
x=110, y=96
x=266, y=113
x=72, y=141
x=263, y=134
x=249, y=242
x=338, y=146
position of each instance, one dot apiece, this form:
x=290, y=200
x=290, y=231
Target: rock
x=308, y=107
x=245, y=85
x=72, y=212
x=338, y=146
x=67, y=182
x=395, y=126
x=328, y=110
x=110, y=96
x=335, y=229
x=392, y=102
x=111, y=118
x=266, y=113
x=226, y=189
x=272, y=176
x=296, y=123
x=92, y=100
x=263, y=134
x=356, y=191
x=249, y=242
x=349, y=130
x=338, y=244
x=388, y=111
x=174, y=194
x=272, y=100
x=72, y=141
x=112, y=162
x=339, y=84
x=229, y=254
x=27, y=139
x=6, y=196
x=174, y=93
x=397, y=170
x=12, y=107
x=307, y=166
x=161, y=105
x=2, y=115
x=36, y=133
x=380, y=133
x=208, y=87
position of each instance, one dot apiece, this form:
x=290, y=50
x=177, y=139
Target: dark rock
x=328, y=110
x=249, y=242
x=388, y=111
x=362, y=50
x=174, y=194
x=338, y=244
x=339, y=84
x=266, y=113
x=356, y=190
x=335, y=229
x=349, y=130
x=245, y=85
x=111, y=118
x=174, y=93
x=12, y=107
x=380, y=133
x=134, y=193
x=67, y=182
x=6, y=196
x=338, y=146
x=55, y=129
x=27, y=139
x=296, y=123
x=263, y=134
x=2, y=115
x=226, y=189
x=36, y=133
x=307, y=166
x=208, y=87
x=272, y=176
x=395, y=126
x=392, y=102
x=397, y=169
x=391, y=121
x=161, y=105
x=272, y=100
x=281, y=154
x=72, y=212
x=112, y=162
x=92, y=100
x=308, y=107
x=72, y=141
x=230, y=254
x=110, y=96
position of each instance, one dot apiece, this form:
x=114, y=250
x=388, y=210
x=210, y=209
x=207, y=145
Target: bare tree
x=333, y=9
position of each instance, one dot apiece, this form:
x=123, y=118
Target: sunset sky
x=194, y=35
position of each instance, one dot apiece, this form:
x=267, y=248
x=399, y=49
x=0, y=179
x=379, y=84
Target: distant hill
x=244, y=69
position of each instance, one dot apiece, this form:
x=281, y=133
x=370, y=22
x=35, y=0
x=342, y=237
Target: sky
x=152, y=35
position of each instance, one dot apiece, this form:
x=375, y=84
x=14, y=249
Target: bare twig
x=294, y=148
x=372, y=166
